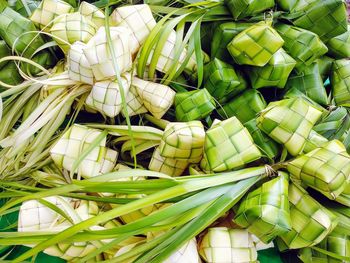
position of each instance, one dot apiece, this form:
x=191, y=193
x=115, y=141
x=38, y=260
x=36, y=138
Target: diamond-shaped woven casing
x=140, y=21
x=255, y=45
x=245, y=106
x=79, y=68
x=326, y=18
x=183, y=141
x=221, y=244
x=99, y=57
x=34, y=212
x=193, y=105
x=35, y=216
x=74, y=142
x=266, y=145
x=48, y=10
x=228, y=145
x=18, y=6
x=223, y=35
x=69, y=28
x=243, y=8
x=265, y=211
x=325, y=65
x=303, y=45
x=221, y=80
x=326, y=169
x=289, y=122
x=105, y=95
x=339, y=46
x=169, y=166
x=311, y=222
x=309, y=82
x=340, y=82
x=134, y=103
x=12, y=28
x=337, y=242
x=275, y=73
x=93, y=13
x=157, y=98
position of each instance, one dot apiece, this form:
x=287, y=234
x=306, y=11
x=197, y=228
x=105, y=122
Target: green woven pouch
x=275, y=73
x=183, y=141
x=289, y=122
x=223, y=35
x=340, y=82
x=221, y=80
x=255, y=45
x=25, y=11
x=245, y=106
x=12, y=26
x=339, y=46
x=309, y=81
x=311, y=222
x=303, y=45
x=265, y=211
x=267, y=146
x=228, y=145
x=243, y=8
x=326, y=18
x=326, y=169
x=193, y=105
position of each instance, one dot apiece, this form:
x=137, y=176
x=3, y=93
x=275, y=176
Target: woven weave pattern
x=134, y=103
x=275, y=73
x=286, y=5
x=311, y=222
x=48, y=10
x=169, y=166
x=289, y=122
x=157, y=98
x=304, y=46
x=13, y=26
x=245, y=106
x=183, y=141
x=223, y=35
x=255, y=45
x=79, y=68
x=221, y=80
x=93, y=13
x=266, y=145
x=140, y=21
x=243, y=8
x=99, y=57
x=309, y=82
x=193, y=105
x=265, y=211
x=325, y=169
x=221, y=244
x=340, y=81
x=105, y=96
x=73, y=142
x=326, y=18
x=70, y=28
x=228, y=145
x=339, y=46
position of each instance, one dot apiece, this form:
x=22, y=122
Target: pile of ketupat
x=176, y=132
